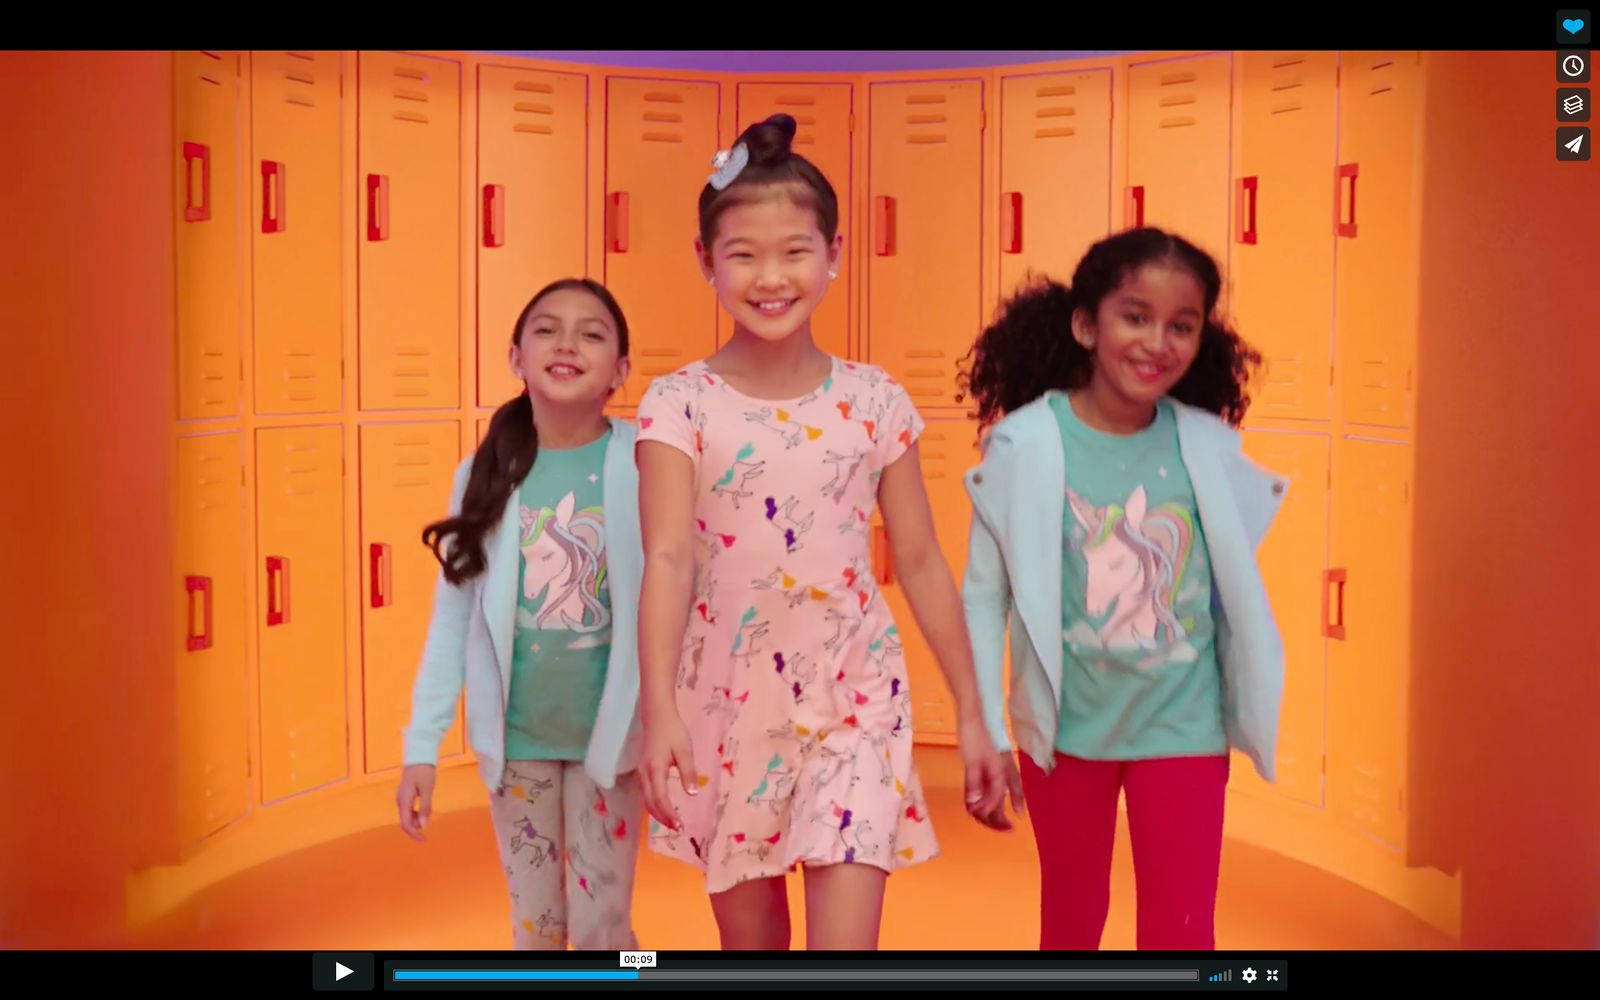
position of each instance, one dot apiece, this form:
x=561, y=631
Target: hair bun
x=770, y=141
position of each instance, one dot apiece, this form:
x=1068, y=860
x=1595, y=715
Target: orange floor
x=378, y=890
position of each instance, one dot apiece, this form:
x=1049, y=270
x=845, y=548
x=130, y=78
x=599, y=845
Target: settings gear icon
x=1249, y=975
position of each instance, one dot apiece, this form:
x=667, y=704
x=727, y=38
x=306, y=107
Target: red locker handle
x=382, y=589
x=494, y=215
x=1341, y=227
x=617, y=222
x=377, y=207
x=199, y=585
x=1332, y=577
x=277, y=590
x=1248, y=188
x=272, y=197
x=193, y=151
x=1133, y=208
x=883, y=226
x=1011, y=222
x=882, y=555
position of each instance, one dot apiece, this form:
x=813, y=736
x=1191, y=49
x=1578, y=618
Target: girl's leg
x=754, y=915
x=844, y=906
x=1074, y=814
x=527, y=822
x=602, y=827
x=1175, y=811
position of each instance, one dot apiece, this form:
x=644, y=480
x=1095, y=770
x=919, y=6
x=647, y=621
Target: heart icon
x=1573, y=25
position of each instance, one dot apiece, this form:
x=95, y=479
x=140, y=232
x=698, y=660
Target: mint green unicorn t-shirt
x=1140, y=678
x=563, y=634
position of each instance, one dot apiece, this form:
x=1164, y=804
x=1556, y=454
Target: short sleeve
x=902, y=424
x=667, y=414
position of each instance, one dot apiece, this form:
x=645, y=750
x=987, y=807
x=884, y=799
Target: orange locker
x=1333, y=140
x=948, y=450
x=210, y=301
x=826, y=123
x=532, y=226
x=1282, y=268
x=406, y=475
x=1293, y=558
x=409, y=256
x=1178, y=114
x=1369, y=599
x=213, y=749
x=924, y=267
x=1378, y=217
x=660, y=138
x=300, y=608
x=294, y=226
x=1055, y=172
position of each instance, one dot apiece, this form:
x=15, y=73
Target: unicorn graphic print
x=564, y=574
x=1137, y=560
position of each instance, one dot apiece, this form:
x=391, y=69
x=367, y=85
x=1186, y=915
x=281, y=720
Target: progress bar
x=792, y=975
x=510, y=975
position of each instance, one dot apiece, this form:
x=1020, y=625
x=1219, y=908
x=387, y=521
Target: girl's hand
x=666, y=746
x=415, y=799
x=990, y=775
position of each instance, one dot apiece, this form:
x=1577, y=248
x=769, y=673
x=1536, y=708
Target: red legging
x=1175, y=817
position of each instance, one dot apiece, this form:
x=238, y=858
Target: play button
x=343, y=971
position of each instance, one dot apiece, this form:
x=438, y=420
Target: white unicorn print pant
x=569, y=848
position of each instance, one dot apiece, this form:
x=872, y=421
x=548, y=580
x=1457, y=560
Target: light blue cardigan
x=470, y=638
x=1014, y=563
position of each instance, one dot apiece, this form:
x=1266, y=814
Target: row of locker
x=925, y=186
x=1328, y=296
x=300, y=621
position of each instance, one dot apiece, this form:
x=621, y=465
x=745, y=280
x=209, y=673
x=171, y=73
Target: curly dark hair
x=1029, y=348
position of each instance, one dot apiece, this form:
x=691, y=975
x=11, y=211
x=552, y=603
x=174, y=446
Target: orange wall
x=87, y=297
x=1507, y=692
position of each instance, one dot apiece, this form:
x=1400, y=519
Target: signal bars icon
x=1226, y=976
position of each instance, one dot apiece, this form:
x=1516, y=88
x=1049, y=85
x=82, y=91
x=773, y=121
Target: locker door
x=925, y=239
x=1282, y=270
x=660, y=138
x=214, y=763
x=294, y=225
x=1292, y=560
x=300, y=608
x=1178, y=149
x=406, y=473
x=410, y=233
x=532, y=227
x=1379, y=160
x=206, y=174
x=1055, y=172
x=948, y=450
x=1370, y=666
x=826, y=124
